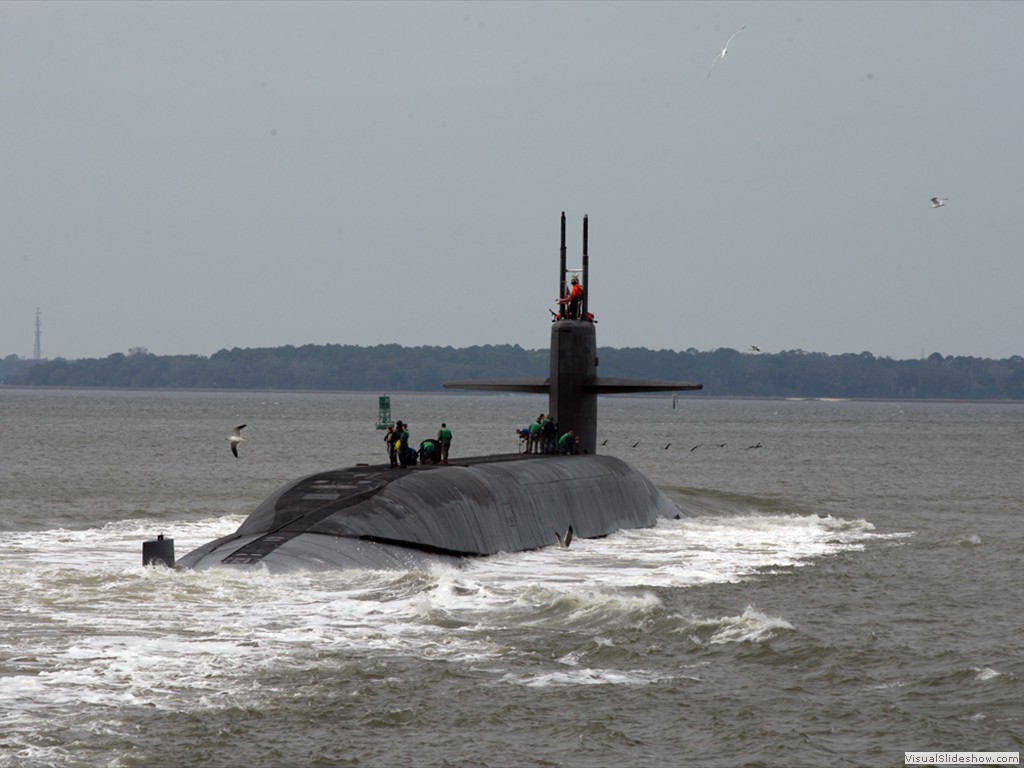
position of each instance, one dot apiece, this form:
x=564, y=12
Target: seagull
x=565, y=541
x=755, y=446
x=938, y=202
x=725, y=50
x=698, y=445
x=666, y=447
x=636, y=443
x=236, y=438
x=754, y=348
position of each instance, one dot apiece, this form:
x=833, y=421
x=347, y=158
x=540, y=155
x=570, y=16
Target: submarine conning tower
x=572, y=384
x=574, y=365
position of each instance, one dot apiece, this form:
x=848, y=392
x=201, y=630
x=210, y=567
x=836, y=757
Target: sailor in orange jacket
x=574, y=298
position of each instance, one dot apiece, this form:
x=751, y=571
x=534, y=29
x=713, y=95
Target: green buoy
x=384, y=412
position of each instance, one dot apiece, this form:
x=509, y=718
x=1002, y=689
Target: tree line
x=390, y=368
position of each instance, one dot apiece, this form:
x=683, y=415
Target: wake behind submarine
x=372, y=517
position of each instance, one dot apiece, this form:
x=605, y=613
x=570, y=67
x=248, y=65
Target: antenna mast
x=39, y=336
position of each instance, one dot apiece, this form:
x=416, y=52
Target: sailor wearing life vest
x=574, y=298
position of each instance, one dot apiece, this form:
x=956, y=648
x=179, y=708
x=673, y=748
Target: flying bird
x=636, y=443
x=755, y=446
x=666, y=447
x=236, y=438
x=725, y=50
x=564, y=541
x=754, y=348
x=938, y=202
x=698, y=445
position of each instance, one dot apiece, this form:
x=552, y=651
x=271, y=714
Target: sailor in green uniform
x=444, y=437
x=567, y=442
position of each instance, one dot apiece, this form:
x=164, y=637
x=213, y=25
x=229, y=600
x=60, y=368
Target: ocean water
x=846, y=592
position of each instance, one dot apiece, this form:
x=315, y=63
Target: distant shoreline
x=724, y=372
x=464, y=393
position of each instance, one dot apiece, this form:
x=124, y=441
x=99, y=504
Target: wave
x=587, y=676
x=95, y=630
x=752, y=626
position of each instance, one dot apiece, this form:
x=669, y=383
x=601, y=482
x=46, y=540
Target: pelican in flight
x=236, y=438
x=725, y=50
x=938, y=202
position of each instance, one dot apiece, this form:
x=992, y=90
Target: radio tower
x=39, y=336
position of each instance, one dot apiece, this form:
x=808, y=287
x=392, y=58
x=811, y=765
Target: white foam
x=985, y=674
x=574, y=677
x=752, y=626
x=86, y=624
x=688, y=552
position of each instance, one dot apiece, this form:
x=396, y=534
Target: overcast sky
x=189, y=177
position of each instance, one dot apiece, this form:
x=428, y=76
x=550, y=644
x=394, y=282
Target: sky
x=194, y=176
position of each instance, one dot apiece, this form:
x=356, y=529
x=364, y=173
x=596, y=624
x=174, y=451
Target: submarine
x=374, y=517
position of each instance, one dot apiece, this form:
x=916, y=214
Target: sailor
x=430, y=452
x=567, y=443
x=444, y=437
x=548, y=431
x=390, y=438
x=574, y=299
x=533, y=443
x=402, y=444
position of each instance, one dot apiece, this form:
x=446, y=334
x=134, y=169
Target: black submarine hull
x=376, y=517
x=381, y=518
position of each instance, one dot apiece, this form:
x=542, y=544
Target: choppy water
x=850, y=591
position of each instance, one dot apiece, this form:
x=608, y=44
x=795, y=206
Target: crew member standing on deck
x=533, y=444
x=389, y=438
x=403, y=445
x=548, y=433
x=444, y=437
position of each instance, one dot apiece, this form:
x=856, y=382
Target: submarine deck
x=333, y=487
x=472, y=506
